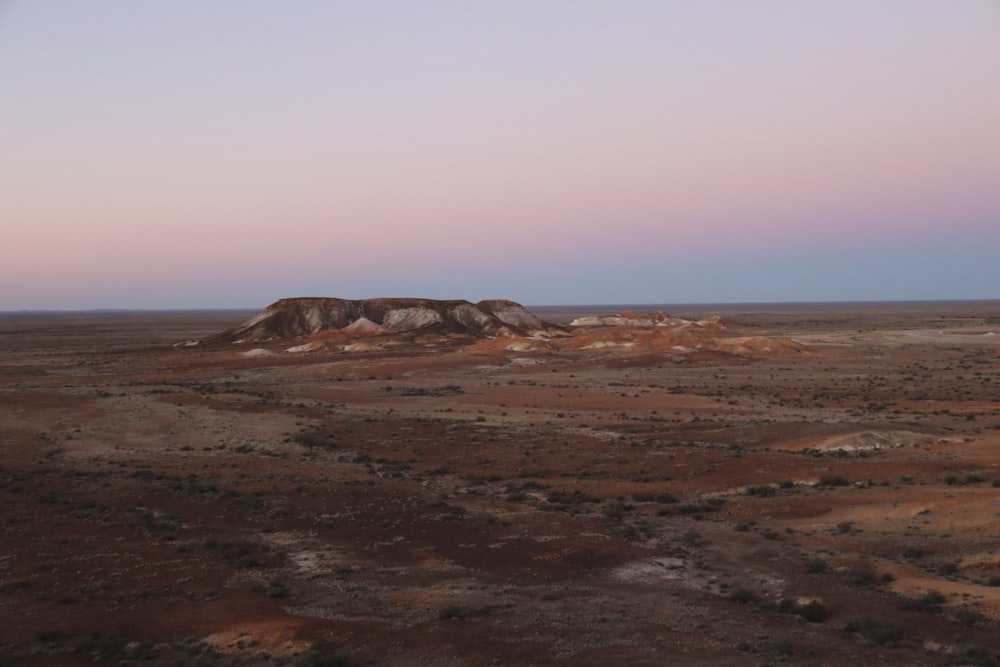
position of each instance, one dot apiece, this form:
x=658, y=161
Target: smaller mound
x=716, y=322
x=499, y=345
x=362, y=346
x=312, y=346
x=604, y=337
x=257, y=352
x=862, y=441
x=364, y=327
x=662, y=333
x=753, y=345
x=627, y=319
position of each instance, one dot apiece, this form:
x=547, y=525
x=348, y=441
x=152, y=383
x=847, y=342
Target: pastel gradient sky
x=190, y=154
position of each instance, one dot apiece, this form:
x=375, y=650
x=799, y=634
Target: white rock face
x=469, y=316
x=407, y=319
x=512, y=314
x=603, y=321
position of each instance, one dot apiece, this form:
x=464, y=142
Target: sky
x=187, y=154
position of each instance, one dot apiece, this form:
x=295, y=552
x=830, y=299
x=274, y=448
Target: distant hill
x=298, y=318
x=495, y=326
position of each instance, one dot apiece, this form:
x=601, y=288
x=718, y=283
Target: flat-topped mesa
x=297, y=318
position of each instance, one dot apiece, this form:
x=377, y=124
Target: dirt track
x=457, y=505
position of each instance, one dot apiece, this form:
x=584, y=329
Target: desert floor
x=442, y=506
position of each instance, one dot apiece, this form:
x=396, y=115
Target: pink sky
x=187, y=155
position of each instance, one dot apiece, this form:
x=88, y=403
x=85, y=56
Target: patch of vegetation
x=314, y=439
x=693, y=538
x=48, y=636
x=664, y=497
x=101, y=645
x=969, y=617
x=577, y=497
x=454, y=612
x=325, y=653
x=446, y=390
x=813, y=612
x=974, y=656
x=617, y=509
x=744, y=596
x=446, y=511
x=244, y=554
x=877, y=632
x=860, y=576
x=930, y=602
x=816, y=565
x=946, y=569
x=695, y=508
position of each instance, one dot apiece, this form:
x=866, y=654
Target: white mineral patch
x=364, y=326
x=305, y=347
x=406, y=319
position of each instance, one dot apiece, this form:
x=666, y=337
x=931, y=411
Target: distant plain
x=451, y=506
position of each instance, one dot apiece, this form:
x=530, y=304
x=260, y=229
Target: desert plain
x=830, y=500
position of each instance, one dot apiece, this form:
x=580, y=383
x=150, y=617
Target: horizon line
x=684, y=304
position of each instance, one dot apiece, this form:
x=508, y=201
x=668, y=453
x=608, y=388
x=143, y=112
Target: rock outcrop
x=299, y=318
x=651, y=333
x=493, y=326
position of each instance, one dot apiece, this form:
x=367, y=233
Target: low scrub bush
x=969, y=617
x=929, y=602
x=314, y=440
x=761, y=490
x=860, y=576
x=814, y=612
x=744, y=596
x=325, y=653
x=877, y=632
x=816, y=565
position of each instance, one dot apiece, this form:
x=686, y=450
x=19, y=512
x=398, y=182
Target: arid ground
x=462, y=504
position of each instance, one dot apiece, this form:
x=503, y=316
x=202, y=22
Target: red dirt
x=458, y=504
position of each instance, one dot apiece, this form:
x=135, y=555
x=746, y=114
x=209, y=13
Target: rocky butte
x=491, y=326
x=306, y=317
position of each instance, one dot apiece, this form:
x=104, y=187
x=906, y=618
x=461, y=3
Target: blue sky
x=227, y=154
